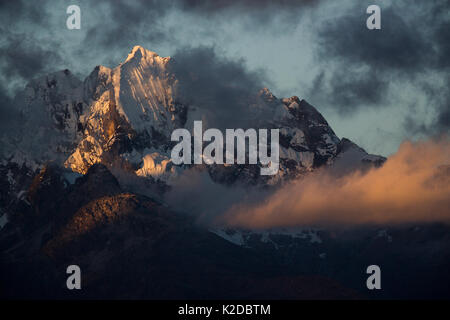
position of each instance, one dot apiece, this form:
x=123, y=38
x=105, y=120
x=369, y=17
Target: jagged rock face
x=106, y=136
x=306, y=142
x=133, y=107
x=141, y=89
x=310, y=132
x=306, y=139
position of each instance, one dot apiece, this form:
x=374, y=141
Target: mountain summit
x=123, y=118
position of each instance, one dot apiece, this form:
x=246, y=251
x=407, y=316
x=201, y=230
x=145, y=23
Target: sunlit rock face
x=132, y=108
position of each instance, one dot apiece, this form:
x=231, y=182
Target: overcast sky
x=376, y=87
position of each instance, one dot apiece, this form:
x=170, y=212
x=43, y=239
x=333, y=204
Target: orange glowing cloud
x=412, y=186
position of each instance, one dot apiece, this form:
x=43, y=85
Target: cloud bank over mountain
x=413, y=186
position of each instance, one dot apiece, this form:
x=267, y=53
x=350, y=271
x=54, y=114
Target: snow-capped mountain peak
x=139, y=54
x=124, y=116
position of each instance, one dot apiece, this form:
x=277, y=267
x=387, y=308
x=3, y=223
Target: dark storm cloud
x=350, y=89
x=140, y=21
x=21, y=56
x=251, y=5
x=25, y=10
x=444, y=118
x=274, y=17
x=128, y=23
x=438, y=100
x=224, y=87
x=24, y=57
x=397, y=46
x=360, y=66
